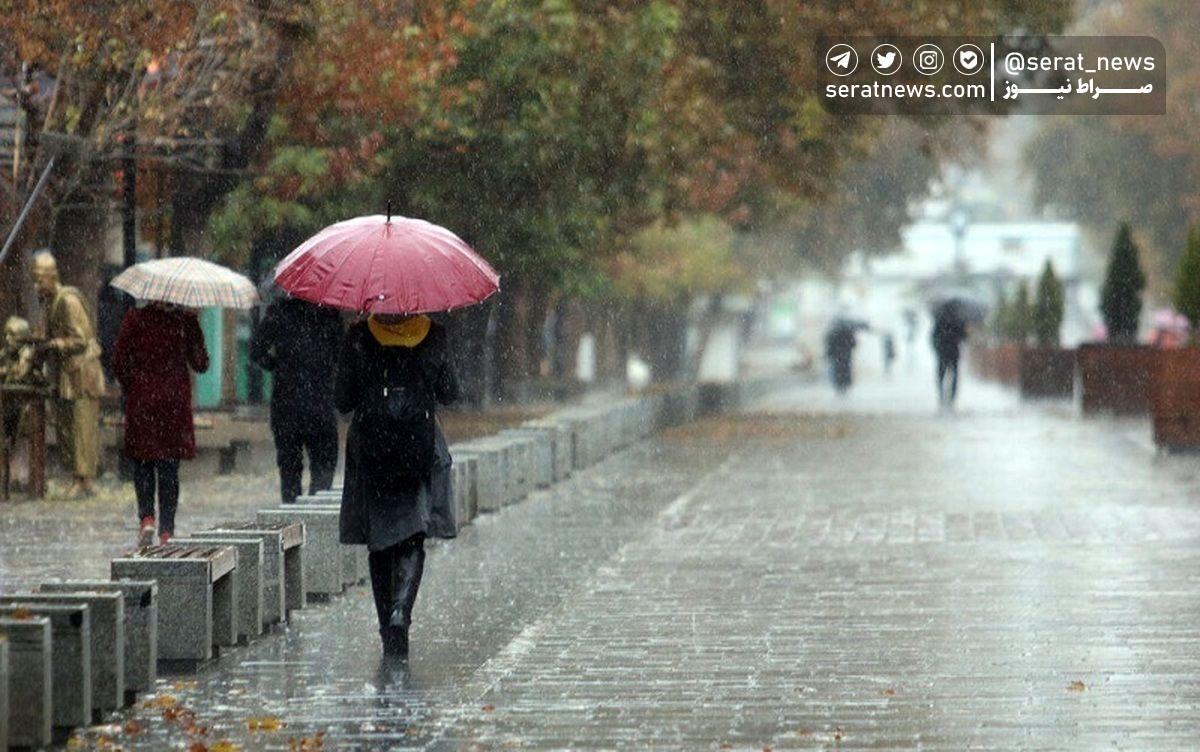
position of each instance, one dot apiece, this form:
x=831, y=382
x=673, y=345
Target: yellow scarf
x=408, y=333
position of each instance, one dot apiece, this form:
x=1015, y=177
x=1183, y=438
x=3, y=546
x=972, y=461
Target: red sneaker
x=164, y=538
x=146, y=533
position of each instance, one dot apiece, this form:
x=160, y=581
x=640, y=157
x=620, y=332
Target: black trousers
x=947, y=378
x=163, y=476
x=395, y=579
x=293, y=437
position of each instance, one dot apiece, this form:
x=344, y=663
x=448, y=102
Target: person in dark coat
x=840, y=341
x=157, y=348
x=949, y=331
x=298, y=343
x=392, y=373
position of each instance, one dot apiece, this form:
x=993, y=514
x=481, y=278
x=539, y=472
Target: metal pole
x=129, y=200
x=37, y=190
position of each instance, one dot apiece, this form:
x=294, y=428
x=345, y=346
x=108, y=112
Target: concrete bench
x=249, y=577
x=561, y=445
x=488, y=486
x=4, y=682
x=494, y=485
x=463, y=485
x=353, y=557
x=284, y=585
x=197, y=596
x=70, y=658
x=324, y=562
x=584, y=426
x=107, y=645
x=30, y=700
x=543, y=441
x=141, y=626
x=524, y=473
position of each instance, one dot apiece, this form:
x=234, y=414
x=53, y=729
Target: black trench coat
x=378, y=510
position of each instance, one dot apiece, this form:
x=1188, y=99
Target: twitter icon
x=886, y=59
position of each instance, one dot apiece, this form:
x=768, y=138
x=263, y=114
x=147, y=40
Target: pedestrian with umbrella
x=158, y=347
x=840, y=340
x=394, y=370
x=951, y=318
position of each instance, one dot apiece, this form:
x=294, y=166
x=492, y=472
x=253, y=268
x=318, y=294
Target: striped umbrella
x=187, y=281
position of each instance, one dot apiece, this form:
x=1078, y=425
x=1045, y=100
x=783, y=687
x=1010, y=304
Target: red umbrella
x=387, y=265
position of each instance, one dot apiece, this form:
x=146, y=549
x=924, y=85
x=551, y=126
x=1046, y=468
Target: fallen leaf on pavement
x=265, y=723
x=1076, y=686
x=161, y=701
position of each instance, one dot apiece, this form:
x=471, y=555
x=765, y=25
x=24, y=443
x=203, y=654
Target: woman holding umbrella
x=159, y=344
x=394, y=370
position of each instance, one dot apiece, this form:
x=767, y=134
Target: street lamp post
x=959, y=221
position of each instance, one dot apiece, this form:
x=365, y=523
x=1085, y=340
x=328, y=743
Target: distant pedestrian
x=157, y=348
x=889, y=353
x=393, y=372
x=298, y=343
x=840, y=341
x=949, y=332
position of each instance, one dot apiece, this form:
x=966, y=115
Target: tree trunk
x=77, y=242
x=708, y=322
x=468, y=330
x=667, y=340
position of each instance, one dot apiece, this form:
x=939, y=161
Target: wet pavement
x=820, y=572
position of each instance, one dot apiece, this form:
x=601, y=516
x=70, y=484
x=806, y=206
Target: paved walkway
x=857, y=573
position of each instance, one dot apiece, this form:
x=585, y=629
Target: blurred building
x=982, y=259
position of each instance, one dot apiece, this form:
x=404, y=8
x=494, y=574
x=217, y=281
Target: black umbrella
x=962, y=309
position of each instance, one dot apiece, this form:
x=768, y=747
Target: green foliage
x=1121, y=295
x=669, y=264
x=1013, y=318
x=555, y=151
x=1187, y=280
x=1049, y=307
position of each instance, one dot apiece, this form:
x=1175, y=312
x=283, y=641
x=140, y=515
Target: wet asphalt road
x=859, y=573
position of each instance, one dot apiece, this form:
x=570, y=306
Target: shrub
x=1121, y=296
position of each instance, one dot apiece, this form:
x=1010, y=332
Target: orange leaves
x=313, y=743
x=264, y=723
x=1076, y=686
x=222, y=746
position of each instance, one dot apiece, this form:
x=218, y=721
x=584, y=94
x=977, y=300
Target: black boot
x=395, y=641
x=381, y=565
x=408, y=565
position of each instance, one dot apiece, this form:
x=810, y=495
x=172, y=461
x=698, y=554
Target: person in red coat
x=157, y=348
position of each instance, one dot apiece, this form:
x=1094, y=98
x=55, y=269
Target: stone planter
x=1047, y=373
x=998, y=363
x=1175, y=399
x=1115, y=378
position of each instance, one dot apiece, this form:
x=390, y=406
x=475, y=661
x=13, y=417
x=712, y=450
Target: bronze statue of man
x=73, y=353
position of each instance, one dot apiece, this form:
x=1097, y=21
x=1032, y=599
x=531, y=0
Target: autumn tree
x=191, y=84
